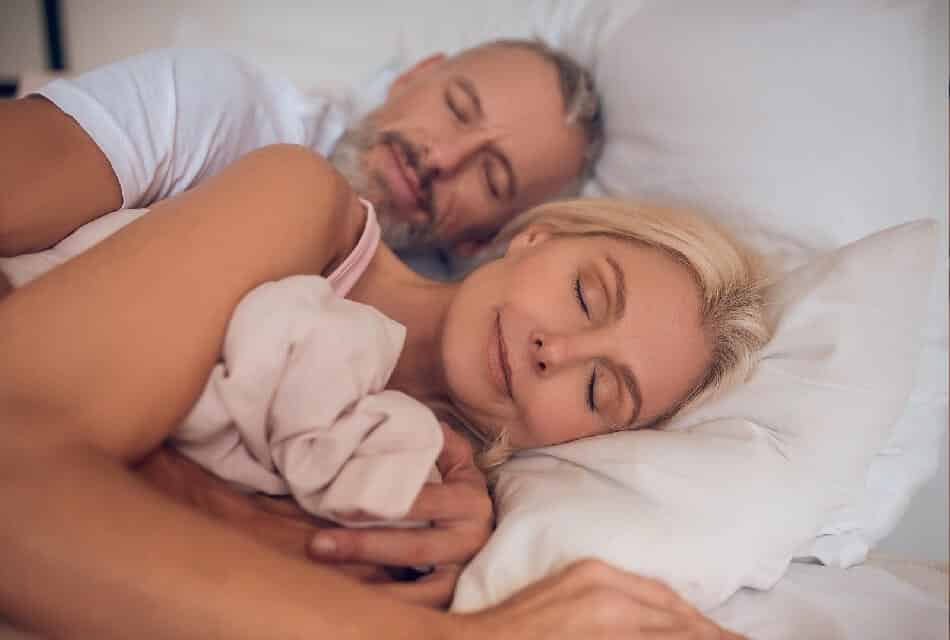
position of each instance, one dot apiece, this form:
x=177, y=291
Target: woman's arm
x=101, y=358
x=115, y=346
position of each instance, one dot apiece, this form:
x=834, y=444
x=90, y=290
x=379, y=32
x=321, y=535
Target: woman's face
x=567, y=337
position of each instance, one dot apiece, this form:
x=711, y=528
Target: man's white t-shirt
x=170, y=118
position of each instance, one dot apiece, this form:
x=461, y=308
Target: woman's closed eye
x=579, y=294
x=591, y=395
x=591, y=391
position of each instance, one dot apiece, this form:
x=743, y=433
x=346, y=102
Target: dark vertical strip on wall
x=55, y=52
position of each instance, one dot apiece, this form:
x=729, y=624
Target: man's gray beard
x=347, y=158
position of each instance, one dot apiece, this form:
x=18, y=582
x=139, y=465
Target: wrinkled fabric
x=298, y=405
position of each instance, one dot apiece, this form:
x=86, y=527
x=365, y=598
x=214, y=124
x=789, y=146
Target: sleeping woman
x=598, y=317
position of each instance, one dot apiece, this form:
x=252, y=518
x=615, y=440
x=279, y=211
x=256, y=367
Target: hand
x=278, y=523
x=591, y=599
x=462, y=519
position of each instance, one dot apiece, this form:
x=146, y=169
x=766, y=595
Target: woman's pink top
x=345, y=276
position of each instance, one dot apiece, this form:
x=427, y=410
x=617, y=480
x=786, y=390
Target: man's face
x=461, y=145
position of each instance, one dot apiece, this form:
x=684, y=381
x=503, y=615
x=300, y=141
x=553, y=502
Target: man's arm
x=130, y=134
x=53, y=177
x=459, y=508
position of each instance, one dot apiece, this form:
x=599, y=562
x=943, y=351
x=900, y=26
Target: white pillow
x=724, y=497
x=807, y=126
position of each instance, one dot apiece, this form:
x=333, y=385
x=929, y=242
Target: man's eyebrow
x=468, y=87
x=620, y=289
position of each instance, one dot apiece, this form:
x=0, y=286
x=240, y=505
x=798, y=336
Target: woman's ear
x=530, y=236
x=416, y=70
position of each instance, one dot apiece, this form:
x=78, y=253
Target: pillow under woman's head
x=808, y=126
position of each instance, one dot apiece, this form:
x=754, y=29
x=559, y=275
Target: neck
x=420, y=305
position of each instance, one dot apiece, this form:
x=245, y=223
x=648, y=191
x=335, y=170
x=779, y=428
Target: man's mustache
x=412, y=157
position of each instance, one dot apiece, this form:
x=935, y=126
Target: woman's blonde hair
x=728, y=275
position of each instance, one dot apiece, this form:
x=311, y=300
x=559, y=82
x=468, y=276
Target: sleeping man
x=458, y=147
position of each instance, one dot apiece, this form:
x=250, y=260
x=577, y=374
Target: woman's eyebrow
x=620, y=288
x=633, y=388
x=620, y=307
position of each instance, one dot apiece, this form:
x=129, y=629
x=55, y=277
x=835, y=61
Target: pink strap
x=347, y=274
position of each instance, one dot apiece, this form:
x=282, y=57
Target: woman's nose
x=552, y=352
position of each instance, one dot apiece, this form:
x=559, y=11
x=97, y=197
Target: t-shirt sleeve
x=168, y=118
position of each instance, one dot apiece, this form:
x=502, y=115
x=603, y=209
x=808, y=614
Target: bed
x=806, y=126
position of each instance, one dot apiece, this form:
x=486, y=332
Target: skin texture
x=109, y=557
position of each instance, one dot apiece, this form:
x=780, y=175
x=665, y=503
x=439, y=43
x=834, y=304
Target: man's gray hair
x=582, y=106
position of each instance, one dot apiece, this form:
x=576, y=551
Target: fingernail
x=323, y=545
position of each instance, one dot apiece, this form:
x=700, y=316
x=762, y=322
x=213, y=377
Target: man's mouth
x=400, y=181
x=410, y=191
x=408, y=174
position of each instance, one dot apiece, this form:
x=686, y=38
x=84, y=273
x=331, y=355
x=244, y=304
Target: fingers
x=452, y=502
x=459, y=508
x=647, y=591
x=434, y=590
x=287, y=508
x=364, y=573
x=397, y=547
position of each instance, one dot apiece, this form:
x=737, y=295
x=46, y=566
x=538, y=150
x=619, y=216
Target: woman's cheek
x=554, y=419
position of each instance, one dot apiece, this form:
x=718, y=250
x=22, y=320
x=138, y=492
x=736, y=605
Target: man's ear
x=416, y=70
x=530, y=236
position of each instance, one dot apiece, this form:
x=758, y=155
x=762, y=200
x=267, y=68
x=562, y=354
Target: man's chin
x=403, y=236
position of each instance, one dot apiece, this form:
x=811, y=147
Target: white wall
x=922, y=533
x=324, y=41
x=22, y=36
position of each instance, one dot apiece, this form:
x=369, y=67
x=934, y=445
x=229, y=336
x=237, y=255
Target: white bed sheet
x=887, y=599
x=881, y=600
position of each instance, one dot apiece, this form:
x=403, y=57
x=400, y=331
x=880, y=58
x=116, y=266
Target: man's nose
x=451, y=152
x=553, y=352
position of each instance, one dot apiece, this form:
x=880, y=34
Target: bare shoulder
x=301, y=183
x=295, y=171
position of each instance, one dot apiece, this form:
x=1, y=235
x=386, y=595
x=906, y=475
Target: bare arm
x=53, y=177
x=151, y=303
x=90, y=346
x=103, y=355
